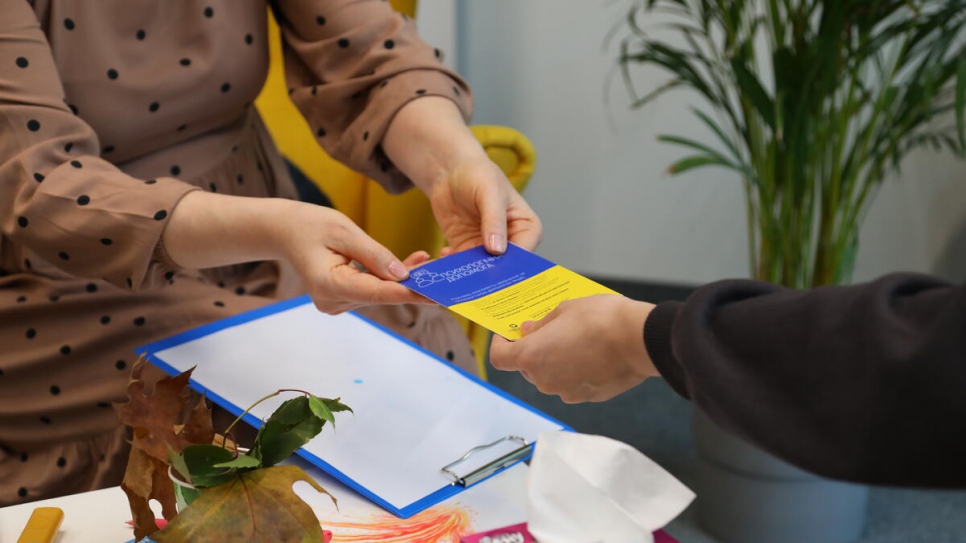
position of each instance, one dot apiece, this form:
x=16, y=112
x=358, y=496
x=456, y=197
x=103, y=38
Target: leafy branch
x=293, y=424
x=234, y=495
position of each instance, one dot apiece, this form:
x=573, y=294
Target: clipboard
x=423, y=430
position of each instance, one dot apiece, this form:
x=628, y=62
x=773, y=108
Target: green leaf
x=651, y=96
x=693, y=162
x=336, y=406
x=722, y=137
x=321, y=410
x=754, y=91
x=720, y=160
x=243, y=461
x=685, y=142
x=325, y=407
x=257, y=505
x=290, y=427
x=201, y=461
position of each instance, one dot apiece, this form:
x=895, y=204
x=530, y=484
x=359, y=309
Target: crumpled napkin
x=593, y=489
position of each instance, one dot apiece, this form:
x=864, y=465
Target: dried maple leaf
x=146, y=479
x=257, y=506
x=171, y=417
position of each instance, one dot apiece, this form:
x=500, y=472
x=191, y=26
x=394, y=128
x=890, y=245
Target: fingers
x=353, y=243
x=529, y=327
x=502, y=353
x=343, y=287
x=493, y=219
x=370, y=290
x=528, y=238
x=330, y=256
x=517, y=356
x=524, y=226
x=416, y=259
x=511, y=355
x=361, y=289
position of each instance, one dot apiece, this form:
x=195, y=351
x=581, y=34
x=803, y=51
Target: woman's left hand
x=475, y=204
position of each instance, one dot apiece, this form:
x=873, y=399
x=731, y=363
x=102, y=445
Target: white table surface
x=101, y=516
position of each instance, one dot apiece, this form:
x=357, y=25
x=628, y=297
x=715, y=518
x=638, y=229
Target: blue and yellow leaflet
x=500, y=292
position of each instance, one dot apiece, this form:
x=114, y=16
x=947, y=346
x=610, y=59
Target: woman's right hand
x=341, y=267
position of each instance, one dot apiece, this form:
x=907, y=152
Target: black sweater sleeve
x=864, y=383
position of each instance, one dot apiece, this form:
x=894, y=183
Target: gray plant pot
x=745, y=495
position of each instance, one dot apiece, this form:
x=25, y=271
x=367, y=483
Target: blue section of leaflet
x=473, y=274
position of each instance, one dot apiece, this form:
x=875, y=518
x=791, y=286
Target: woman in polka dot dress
x=131, y=157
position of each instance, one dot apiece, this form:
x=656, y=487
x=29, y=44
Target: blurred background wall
x=608, y=208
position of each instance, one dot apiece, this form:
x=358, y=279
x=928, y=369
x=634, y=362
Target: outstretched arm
x=380, y=100
x=863, y=383
x=208, y=230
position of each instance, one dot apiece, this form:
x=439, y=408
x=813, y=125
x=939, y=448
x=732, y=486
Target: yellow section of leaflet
x=532, y=299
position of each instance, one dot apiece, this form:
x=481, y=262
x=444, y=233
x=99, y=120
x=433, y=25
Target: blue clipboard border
x=447, y=491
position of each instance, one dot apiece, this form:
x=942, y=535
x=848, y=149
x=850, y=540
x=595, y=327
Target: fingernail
x=497, y=244
x=398, y=270
x=526, y=326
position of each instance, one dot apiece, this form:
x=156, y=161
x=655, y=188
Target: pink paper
x=511, y=534
x=518, y=534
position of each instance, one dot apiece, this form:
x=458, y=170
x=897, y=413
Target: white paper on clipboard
x=414, y=413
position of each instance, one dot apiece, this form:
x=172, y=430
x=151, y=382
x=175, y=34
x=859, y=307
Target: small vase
x=745, y=495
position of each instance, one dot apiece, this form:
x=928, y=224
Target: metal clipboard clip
x=489, y=468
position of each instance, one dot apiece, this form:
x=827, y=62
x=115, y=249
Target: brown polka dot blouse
x=110, y=112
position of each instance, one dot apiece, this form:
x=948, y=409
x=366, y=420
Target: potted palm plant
x=812, y=103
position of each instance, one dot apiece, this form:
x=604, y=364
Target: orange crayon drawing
x=435, y=525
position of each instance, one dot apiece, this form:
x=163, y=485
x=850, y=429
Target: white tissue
x=592, y=489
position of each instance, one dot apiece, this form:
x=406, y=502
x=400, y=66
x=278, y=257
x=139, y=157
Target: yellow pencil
x=42, y=526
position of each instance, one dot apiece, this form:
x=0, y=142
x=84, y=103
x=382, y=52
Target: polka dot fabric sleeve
x=58, y=198
x=351, y=65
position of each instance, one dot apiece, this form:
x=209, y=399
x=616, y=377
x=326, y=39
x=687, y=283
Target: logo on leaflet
x=425, y=278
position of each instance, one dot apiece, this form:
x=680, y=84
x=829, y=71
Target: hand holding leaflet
x=500, y=292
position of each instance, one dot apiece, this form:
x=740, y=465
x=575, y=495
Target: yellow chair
x=381, y=214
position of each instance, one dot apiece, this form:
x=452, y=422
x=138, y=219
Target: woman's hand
x=586, y=350
x=341, y=267
x=472, y=200
x=475, y=204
